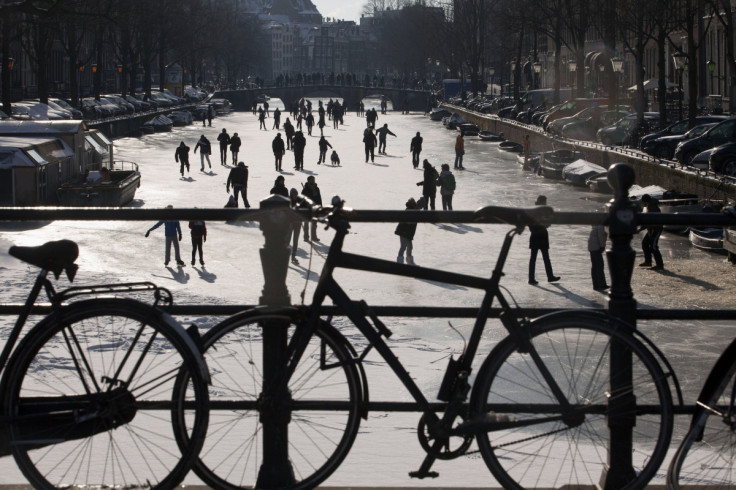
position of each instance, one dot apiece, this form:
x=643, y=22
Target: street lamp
x=680, y=60
x=11, y=64
x=538, y=69
x=491, y=72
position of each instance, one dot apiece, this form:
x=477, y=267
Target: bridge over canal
x=401, y=99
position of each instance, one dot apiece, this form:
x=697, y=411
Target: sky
x=340, y=9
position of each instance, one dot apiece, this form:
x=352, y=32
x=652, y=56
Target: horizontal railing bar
x=362, y=216
x=8, y=309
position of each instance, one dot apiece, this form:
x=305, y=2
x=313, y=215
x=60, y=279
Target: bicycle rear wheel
x=323, y=404
x=573, y=449
x=707, y=455
x=89, y=396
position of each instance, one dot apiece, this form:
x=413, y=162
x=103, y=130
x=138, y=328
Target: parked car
x=723, y=160
x=664, y=146
x=93, y=110
x=76, y=113
x=680, y=127
x=586, y=129
x=34, y=109
x=123, y=104
x=155, y=105
x=627, y=129
x=140, y=105
x=572, y=107
x=724, y=132
x=222, y=106
x=193, y=94
x=180, y=118
x=3, y=115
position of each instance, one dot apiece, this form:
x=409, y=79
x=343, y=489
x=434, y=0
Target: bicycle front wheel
x=556, y=419
x=90, y=399
x=322, y=406
x=706, y=457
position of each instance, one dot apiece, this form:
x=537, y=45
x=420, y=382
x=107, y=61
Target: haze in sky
x=340, y=9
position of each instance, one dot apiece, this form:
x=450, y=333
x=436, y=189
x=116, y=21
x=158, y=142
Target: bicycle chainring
x=450, y=447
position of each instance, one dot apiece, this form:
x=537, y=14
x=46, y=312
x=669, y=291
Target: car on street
x=680, y=127
x=625, y=131
x=76, y=113
x=723, y=160
x=720, y=134
x=664, y=146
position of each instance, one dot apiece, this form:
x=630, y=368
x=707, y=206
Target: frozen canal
x=386, y=448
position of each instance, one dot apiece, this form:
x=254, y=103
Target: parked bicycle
x=90, y=394
x=540, y=407
x=707, y=455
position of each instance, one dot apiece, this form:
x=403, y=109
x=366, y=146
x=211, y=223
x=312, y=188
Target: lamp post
x=513, y=75
x=680, y=60
x=491, y=72
x=572, y=65
x=617, y=64
x=538, y=69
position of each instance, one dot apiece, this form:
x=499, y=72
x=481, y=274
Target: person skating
x=406, y=231
x=182, y=156
x=298, y=144
x=205, y=151
x=289, y=131
x=369, y=143
x=650, y=242
x=277, y=146
x=224, y=140
x=276, y=119
x=539, y=242
x=279, y=187
x=238, y=178
x=262, y=119
x=596, y=247
x=459, y=151
x=429, y=185
x=323, y=145
x=416, y=149
x=446, y=183
x=382, y=132
x=296, y=203
x=312, y=192
x=235, y=146
x=172, y=231
x=199, y=235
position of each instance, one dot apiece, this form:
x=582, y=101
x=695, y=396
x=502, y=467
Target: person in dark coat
x=235, y=146
x=596, y=247
x=416, y=149
x=205, y=150
x=382, y=132
x=539, y=242
x=310, y=123
x=369, y=142
x=429, y=184
x=312, y=192
x=238, y=178
x=276, y=118
x=262, y=119
x=224, y=140
x=182, y=156
x=277, y=145
x=650, y=242
x=323, y=145
x=298, y=144
x=289, y=131
x=279, y=187
x=199, y=235
x=406, y=231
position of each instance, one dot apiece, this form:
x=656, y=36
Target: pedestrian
x=526, y=148
x=289, y=131
x=279, y=187
x=650, y=242
x=369, y=143
x=276, y=118
x=224, y=140
x=199, y=235
x=265, y=107
x=298, y=144
x=262, y=119
x=323, y=145
x=277, y=145
x=406, y=231
x=334, y=158
x=210, y=114
x=382, y=132
x=296, y=203
x=235, y=146
x=429, y=185
x=205, y=150
x=596, y=247
x=447, y=187
x=181, y=155
x=310, y=123
x=312, y=192
x=416, y=149
x=238, y=178
x=321, y=124
x=172, y=231
x=539, y=242
x=459, y=151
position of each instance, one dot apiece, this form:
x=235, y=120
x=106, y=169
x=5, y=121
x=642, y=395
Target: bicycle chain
x=520, y=440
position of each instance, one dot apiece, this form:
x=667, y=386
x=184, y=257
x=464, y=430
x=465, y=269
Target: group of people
x=310, y=195
x=173, y=235
x=181, y=155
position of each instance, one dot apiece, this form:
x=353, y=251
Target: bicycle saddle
x=51, y=256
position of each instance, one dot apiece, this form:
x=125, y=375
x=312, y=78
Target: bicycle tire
x=706, y=456
x=114, y=430
x=555, y=453
x=318, y=438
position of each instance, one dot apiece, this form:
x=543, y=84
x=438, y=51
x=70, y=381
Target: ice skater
x=172, y=231
x=199, y=235
x=406, y=231
x=539, y=242
x=182, y=156
x=205, y=151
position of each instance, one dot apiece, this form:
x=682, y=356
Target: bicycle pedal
x=423, y=474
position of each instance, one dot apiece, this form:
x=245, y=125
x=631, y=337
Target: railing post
x=621, y=304
x=275, y=414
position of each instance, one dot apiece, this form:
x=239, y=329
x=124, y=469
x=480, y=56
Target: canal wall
x=649, y=170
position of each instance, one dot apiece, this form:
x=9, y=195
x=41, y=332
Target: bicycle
x=97, y=392
x=707, y=455
x=539, y=408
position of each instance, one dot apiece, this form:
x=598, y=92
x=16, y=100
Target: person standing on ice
x=406, y=231
x=277, y=145
x=172, y=230
x=369, y=142
x=182, y=156
x=235, y=146
x=279, y=187
x=298, y=144
x=323, y=145
x=382, y=132
x=205, y=150
x=199, y=235
x=238, y=178
x=416, y=149
x=224, y=140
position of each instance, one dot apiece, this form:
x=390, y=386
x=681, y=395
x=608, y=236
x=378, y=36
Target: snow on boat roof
x=30, y=151
x=40, y=127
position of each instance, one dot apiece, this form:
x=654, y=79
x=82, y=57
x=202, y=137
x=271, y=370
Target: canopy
x=652, y=84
